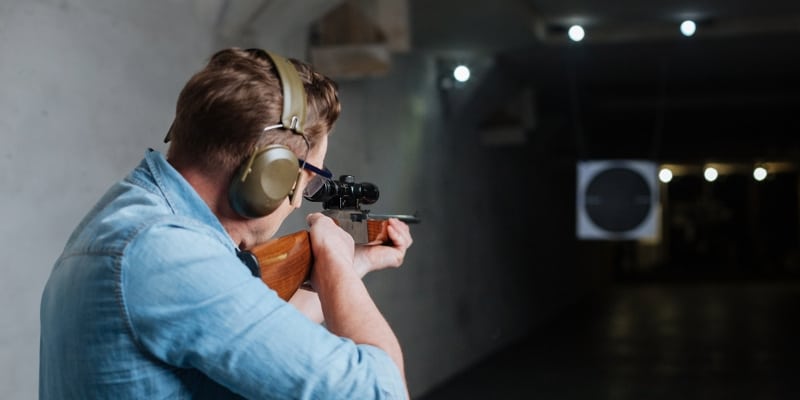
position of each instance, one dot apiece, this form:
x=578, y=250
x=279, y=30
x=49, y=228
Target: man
x=150, y=300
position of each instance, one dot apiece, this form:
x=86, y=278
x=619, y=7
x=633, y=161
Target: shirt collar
x=179, y=194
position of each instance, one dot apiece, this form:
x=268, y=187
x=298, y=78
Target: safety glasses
x=317, y=182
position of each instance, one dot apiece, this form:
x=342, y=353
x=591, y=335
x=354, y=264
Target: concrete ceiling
x=508, y=24
x=634, y=83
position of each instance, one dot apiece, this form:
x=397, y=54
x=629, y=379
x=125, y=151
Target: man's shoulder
x=122, y=211
x=172, y=232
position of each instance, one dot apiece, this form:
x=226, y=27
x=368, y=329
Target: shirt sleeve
x=192, y=304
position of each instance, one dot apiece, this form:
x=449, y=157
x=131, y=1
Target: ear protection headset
x=271, y=173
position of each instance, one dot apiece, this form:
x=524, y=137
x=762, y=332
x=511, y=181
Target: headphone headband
x=293, y=114
x=264, y=181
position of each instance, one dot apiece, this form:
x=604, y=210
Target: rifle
x=284, y=263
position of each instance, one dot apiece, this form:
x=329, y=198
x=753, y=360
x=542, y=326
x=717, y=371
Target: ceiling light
x=711, y=174
x=760, y=173
x=576, y=33
x=688, y=28
x=665, y=175
x=461, y=73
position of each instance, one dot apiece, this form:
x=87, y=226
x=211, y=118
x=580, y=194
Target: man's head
x=223, y=109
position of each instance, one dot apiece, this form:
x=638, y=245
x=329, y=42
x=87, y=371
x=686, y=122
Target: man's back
x=87, y=347
x=148, y=300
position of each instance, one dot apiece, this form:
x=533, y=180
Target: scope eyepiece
x=344, y=193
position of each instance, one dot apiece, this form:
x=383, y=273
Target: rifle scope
x=344, y=193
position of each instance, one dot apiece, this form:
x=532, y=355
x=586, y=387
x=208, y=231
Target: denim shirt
x=149, y=301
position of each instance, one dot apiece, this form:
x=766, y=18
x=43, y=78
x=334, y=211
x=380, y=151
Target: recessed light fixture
x=711, y=174
x=461, y=73
x=760, y=173
x=576, y=33
x=665, y=175
x=688, y=28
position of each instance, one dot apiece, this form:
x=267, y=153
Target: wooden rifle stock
x=285, y=262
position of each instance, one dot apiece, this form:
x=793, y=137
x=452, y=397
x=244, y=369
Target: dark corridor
x=708, y=310
x=645, y=341
x=733, y=227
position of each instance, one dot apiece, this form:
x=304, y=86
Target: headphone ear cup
x=264, y=182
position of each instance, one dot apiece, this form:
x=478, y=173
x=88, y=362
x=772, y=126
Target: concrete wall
x=88, y=85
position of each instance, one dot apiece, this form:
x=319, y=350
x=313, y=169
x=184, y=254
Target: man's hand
x=333, y=248
x=367, y=257
x=370, y=258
